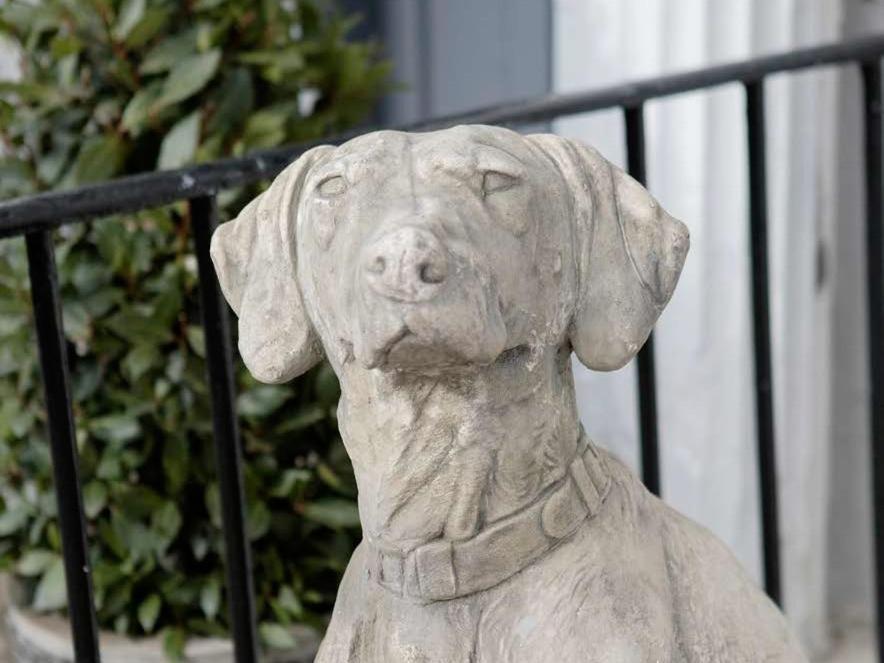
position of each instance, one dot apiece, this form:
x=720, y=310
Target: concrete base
x=46, y=639
x=27, y=637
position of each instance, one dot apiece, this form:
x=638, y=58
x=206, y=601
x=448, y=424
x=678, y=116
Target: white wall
x=697, y=169
x=850, y=560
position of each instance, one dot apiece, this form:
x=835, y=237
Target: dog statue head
x=433, y=252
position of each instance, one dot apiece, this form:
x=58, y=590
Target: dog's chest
x=566, y=608
x=597, y=617
x=546, y=631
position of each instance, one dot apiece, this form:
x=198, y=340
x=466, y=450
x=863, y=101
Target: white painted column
x=850, y=582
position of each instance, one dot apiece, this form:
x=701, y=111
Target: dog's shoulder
x=720, y=613
x=601, y=595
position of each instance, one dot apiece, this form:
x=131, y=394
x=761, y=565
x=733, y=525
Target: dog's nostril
x=431, y=272
x=407, y=264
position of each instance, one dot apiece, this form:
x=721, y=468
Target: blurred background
x=91, y=93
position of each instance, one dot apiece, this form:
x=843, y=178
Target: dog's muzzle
x=423, y=304
x=408, y=265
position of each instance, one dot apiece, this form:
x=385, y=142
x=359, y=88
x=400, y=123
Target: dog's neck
x=445, y=456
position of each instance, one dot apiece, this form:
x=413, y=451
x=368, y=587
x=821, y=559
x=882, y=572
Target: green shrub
x=120, y=86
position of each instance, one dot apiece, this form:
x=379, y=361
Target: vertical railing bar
x=63, y=444
x=647, y=380
x=219, y=358
x=871, y=75
x=767, y=466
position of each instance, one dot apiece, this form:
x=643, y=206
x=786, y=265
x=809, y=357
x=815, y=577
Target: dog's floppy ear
x=254, y=257
x=629, y=254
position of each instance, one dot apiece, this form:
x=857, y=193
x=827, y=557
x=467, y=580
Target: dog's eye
x=494, y=181
x=332, y=186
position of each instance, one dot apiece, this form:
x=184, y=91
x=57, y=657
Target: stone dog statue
x=447, y=277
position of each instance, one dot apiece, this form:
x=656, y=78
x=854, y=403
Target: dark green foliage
x=112, y=87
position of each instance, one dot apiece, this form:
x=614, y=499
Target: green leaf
x=77, y=321
x=153, y=21
x=290, y=603
x=87, y=276
x=334, y=513
x=15, y=176
x=174, y=640
x=109, y=467
x=168, y=52
x=139, y=360
x=100, y=158
x=138, y=110
x=329, y=477
x=63, y=45
x=35, y=562
x=137, y=501
x=94, y=498
x=167, y=521
x=118, y=599
x=328, y=390
x=121, y=624
x=48, y=95
x=139, y=324
x=310, y=415
x=266, y=128
x=210, y=598
x=213, y=504
x=148, y=612
x=175, y=463
x=199, y=546
x=276, y=636
x=257, y=520
x=13, y=519
x=111, y=537
x=51, y=593
x=188, y=77
x=139, y=540
x=179, y=145
x=196, y=339
x=287, y=481
x=235, y=99
x=261, y=400
x=291, y=57
x=52, y=165
x=131, y=12
x=117, y=428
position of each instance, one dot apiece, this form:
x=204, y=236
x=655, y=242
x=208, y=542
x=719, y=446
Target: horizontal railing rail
x=146, y=190
x=36, y=216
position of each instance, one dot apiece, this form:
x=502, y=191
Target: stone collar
x=443, y=569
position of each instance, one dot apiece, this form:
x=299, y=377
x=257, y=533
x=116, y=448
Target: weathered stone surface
x=447, y=277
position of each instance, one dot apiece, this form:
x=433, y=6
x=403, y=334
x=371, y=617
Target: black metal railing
x=36, y=216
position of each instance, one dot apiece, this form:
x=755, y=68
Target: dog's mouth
x=407, y=351
x=462, y=326
x=380, y=357
x=429, y=344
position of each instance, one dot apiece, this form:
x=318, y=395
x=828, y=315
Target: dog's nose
x=408, y=264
